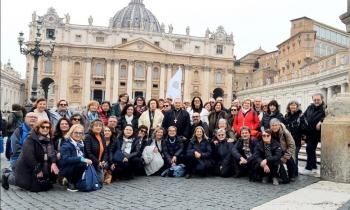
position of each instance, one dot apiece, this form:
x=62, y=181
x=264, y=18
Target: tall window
x=76, y=68
x=155, y=73
x=99, y=70
x=140, y=70
x=219, y=49
x=48, y=65
x=218, y=78
x=123, y=72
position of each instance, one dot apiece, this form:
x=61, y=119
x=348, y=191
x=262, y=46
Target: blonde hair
x=72, y=129
x=93, y=102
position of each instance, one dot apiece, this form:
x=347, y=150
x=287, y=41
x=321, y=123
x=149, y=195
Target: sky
x=254, y=23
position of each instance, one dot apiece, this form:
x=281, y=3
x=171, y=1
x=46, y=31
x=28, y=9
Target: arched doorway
x=218, y=92
x=46, y=85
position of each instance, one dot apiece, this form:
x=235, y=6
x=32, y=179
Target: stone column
x=343, y=88
x=130, y=79
x=162, y=81
x=187, y=83
x=168, y=76
x=115, y=80
x=64, y=77
x=149, y=81
x=229, y=88
x=87, y=82
x=205, y=83
x=108, y=81
x=329, y=93
x=335, y=150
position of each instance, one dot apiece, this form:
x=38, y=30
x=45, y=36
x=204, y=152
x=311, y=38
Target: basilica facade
x=134, y=54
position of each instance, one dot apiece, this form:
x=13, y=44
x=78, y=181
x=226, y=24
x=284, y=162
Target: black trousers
x=260, y=171
x=77, y=173
x=127, y=170
x=224, y=169
x=311, y=155
x=200, y=167
x=292, y=167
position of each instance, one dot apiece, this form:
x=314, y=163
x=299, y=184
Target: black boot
x=5, y=181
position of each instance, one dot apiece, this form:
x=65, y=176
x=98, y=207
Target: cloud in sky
x=254, y=23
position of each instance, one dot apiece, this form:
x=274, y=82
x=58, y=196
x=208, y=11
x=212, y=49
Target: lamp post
x=36, y=52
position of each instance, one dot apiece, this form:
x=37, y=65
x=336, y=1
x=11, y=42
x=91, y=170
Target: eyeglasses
x=221, y=135
x=78, y=133
x=76, y=119
x=166, y=105
x=63, y=104
x=266, y=135
x=233, y=110
x=44, y=127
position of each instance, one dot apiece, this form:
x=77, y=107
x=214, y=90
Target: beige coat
x=157, y=121
x=287, y=142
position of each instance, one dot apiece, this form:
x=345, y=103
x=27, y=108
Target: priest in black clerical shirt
x=179, y=118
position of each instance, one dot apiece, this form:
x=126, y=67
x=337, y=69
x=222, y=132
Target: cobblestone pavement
x=156, y=193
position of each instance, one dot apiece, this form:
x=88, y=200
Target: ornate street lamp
x=36, y=52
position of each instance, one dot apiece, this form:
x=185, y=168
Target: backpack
x=177, y=171
x=17, y=122
x=89, y=181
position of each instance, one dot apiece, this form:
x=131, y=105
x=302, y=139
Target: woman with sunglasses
x=36, y=166
x=77, y=118
x=222, y=155
x=232, y=115
x=199, y=154
x=73, y=161
x=267, y=155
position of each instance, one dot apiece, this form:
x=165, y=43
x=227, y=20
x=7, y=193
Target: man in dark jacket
x=243, y=151
x=314, y=116
x=20, y=135
x=196, y=119
x=15, y=119
x=178, y=118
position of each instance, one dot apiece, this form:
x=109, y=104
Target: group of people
x=160, y=137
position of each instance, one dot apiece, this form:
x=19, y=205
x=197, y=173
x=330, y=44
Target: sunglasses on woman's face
x=233, y=110
x=76, y=119
x=44, y=127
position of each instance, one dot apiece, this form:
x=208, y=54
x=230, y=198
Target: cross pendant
x=175, y=120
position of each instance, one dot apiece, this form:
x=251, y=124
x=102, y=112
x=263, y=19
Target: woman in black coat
x=36, y=166
x=214, y=117
x=124, y=155
x=267, y=155
x=294, y=123
x=173, y=148
x=272, y=112
x=128, y=116
x=73, y=162
x=224, y=164
x=199, y=154
x=95, y=147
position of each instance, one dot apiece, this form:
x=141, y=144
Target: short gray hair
x=222, y=120
x=275, y=121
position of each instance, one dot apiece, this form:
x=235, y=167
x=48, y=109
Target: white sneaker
x=308, y=172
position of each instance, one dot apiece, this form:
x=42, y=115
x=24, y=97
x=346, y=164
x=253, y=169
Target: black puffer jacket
x=294, y=123
x=265, y=121
x=222, y=153
x=314, y=114
x=276, y=153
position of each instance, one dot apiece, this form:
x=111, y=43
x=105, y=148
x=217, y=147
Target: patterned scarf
x=79, y=147
x=268, y=153
x=246, y=148
x=126, y=147
x=92, y=116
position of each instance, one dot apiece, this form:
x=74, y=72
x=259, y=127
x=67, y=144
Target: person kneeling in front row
x=267, y=155
x=73, y=163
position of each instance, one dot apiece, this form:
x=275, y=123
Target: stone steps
x=302, y=153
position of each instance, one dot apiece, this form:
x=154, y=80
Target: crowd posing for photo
x=166, y=137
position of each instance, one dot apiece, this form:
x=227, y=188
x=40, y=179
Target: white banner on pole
x=174, y=87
